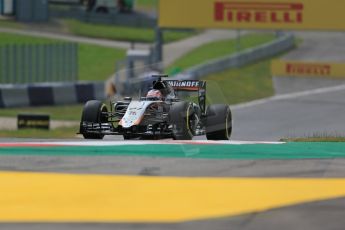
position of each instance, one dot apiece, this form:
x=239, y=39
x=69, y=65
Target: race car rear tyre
x=218, y=122
x=182, y=118
x=92, y=113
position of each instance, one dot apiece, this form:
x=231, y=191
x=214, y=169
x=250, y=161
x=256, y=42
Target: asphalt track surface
x=299, y=116
x=319, y=46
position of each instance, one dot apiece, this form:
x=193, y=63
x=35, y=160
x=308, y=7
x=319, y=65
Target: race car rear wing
x=191, y=86
x=184, y=85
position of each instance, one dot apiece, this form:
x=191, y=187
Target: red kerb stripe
x=27, y=145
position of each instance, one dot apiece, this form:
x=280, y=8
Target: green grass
x=58, y=133
x=244, y=84
x=121, y=33
x=146, y=4
x=67, y=112
x=10, y=39
x=11, y=24
x=96, y=63
x=317, y=137
x=218, y=49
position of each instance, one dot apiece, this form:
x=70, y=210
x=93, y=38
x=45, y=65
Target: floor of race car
x=268, y=189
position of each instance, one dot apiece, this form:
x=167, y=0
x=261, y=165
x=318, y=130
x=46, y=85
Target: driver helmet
x=154, y=93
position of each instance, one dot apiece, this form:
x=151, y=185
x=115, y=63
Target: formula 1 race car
x=160, y=114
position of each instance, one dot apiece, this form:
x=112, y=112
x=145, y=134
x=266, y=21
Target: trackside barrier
x=142, y=81
x=270, y=49
x=50, y=94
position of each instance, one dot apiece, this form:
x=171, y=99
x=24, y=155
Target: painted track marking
x=121, y=143
x=39, y=197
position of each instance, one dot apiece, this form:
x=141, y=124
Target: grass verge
x=316, y=138
x=67, y=112
x=218, y=49
x=58, y=133
x=121, y=33
x=11, y=24
x=240, y=85
x=146, y=4
x=96, y=63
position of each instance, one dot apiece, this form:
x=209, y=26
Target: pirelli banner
x=253, y=14
x=308, y=69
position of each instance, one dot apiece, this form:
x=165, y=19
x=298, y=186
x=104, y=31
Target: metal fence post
x=158, y=53
x=45, y=61
x=53, y=61
x=57, y=62
x=22, y=63
x=14, y=64
x=29, y=62
x=76, y=61
x=69, y=61
x=6, y=63
x=49, y=62
x=63, y=62
x=238, y=41
x=1, y=66
x=38, y=57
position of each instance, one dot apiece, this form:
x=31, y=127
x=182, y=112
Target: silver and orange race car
x=160, y=114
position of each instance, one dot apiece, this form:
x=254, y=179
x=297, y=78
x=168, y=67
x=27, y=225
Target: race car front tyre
x=181, y=117
x=93, y=113
x=218, y=122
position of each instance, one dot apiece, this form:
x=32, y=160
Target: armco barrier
x=14, y=96
x=50, y=94
x=270, y=49
x=267, y=50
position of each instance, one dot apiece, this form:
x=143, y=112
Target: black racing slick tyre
x=181, y=117
x=92, y=113
x=218, y=122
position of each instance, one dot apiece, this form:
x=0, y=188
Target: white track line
x=290, y=96
x=129, y=143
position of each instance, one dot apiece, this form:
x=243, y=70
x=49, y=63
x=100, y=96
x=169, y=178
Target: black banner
x=32, y=121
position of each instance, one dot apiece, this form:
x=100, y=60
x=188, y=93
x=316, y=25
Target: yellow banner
x=253, y=14
x=308, y=69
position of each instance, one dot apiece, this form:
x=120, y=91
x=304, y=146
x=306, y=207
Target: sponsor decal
x=280, y=68
x=185, y=85
x=258, y=12
x=308, y=69
x=132, y=113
